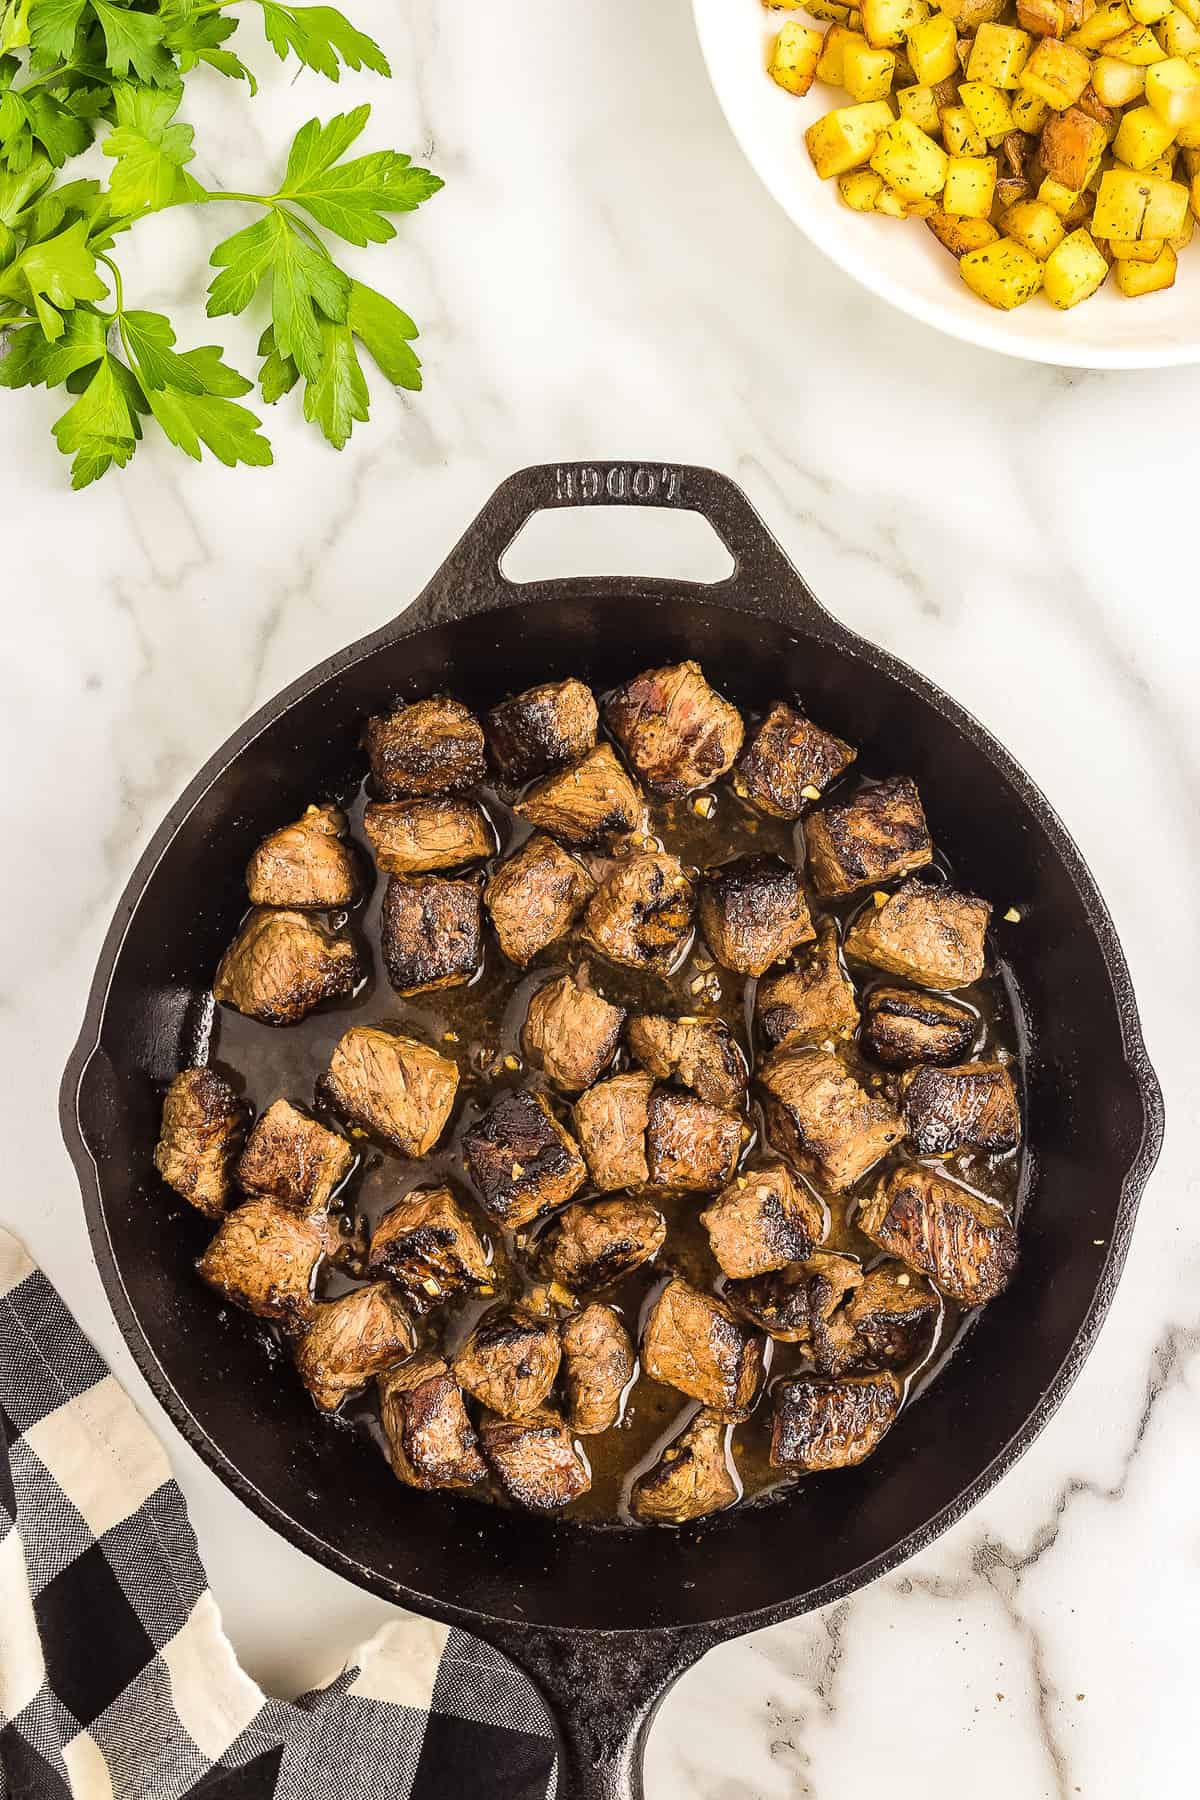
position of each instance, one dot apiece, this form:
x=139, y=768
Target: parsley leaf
x=305, y=285
x=31, y=361
x=134, y=40
x=278, y=375
x=149, y=151
x=339, y=394
x=204, y=413
x=384, y=329
x=53, y=27
x=351, y=198
x=322, y=38
x=102, y=428
x=53, y=276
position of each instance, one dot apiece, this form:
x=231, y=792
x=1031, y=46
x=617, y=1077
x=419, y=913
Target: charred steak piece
x=761, y=1221
x=394, y=1086
x=819, y=1116
x=521, y=1159
x=432, y=932
x=970, y=1107
x=536, y=1460
x=431, y=1442
x=413, y=837
x=536, y=896
x=591, y=802
x=789, y=762
x=430, y=1248
x=611, y=1121
x=966, y=1244
x=597, y=1363
x=699, y=1053
x=305, y=864
x=787, y=1302
x=510, y=1361
x=894, y=1313
x=697, y=1344
x=641, y=913
x=902, y=1026
x=591, y=1245
x=690, y=1145
x=293, y=1159
x=932, y=935
x=822, y=1424
x=873, y=838
x=753, y=912
x=812, y=1002
x=432, y=747
x=263, y=1259
x=202, y=1125
x=571, y=1032
x=282, y=964
x=541, y=729
x=691, y=1478
x=352, y=1339
x=678, y=732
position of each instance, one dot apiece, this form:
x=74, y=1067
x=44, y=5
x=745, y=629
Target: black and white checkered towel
x=116, y=1679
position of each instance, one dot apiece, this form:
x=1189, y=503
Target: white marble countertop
x=603, y=277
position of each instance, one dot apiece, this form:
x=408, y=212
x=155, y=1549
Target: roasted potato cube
x=920, y=105
x=966, y=1244
x=990, y=109
x=810, y=1002
x=961, y=235
x=903, y=1026
x=761, y=1221
x=1029, y=113
x=431, y=1443
x=1117, y=83
x=970, y=186
x=1145, y=250
x=283, y=963
x=794, y=57
x=1136, y=278
x=1034, y=225
x=432, y=932
x=542, y=729
x=1137, y=45
x=1107, y=22
x=535, y=896
x=998, y=54
x=694, y=1342
x=293, y=1159
x=1074, y=271
x=691, y=1147
x=597, y=1366
x=1129, y=205
x=430, y=1248
x=910, y=162
x=831, y=1424
x=414, y=837
x=592, y=1245
x=1043, y=18
x=860, y=189
x=753, y=912
x=592, y=802
x=875, y=837
x=432, y=747
x=536, y=1460
x=1072, y=145
x=972, y=1106
x=888, y=22
x=934, y=935
x=691, y=1479
x=263, y=1259
x=1005, y=274
x=1141, y=138
x=392, y=1085
x=521, y=1159
x=829, y=66
x=350, y=1341
x=969, y=14
x=1056, y=73
x=641, y=913
x=1178, y=35
x=1149, y=12
x=932, y=49
x=960, y=134
x=611, y=1121
x=510, y=1361
x=1062, y=199
x=203, y=1122
x=846, y=137
x=819, y=1117
x=867, y=73
x=305, y=864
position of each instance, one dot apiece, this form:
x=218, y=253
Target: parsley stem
x=41, y=80
x=17, y=319
x=118, y=290
x=272, y=204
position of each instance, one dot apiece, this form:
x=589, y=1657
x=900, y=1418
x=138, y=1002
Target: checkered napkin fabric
x=116, y=1679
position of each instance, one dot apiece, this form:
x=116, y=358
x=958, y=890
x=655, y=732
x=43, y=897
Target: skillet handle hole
x=677, y=545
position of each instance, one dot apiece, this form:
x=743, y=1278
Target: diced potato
x=1035, y=225
x=1135, y=249
x=1105, y=24
x=1141, y=137
x=910, y=162
x=1149, y=12
x=1173, y=90
x=860, y=189
x=867, y=73
x=1164, y=165
x=1072, y=146
x=832, y=11
x=1117, y=83
x=968, y=14
x=1137, y=45
x=919, y=105
x=998, y=54
x=1183, y=238
x=961, y=235
x=1191, y=8
x=1056, y=73
x=1074, y=271
x=888, y=201
x=794, y=57
x=1138, y=206
x=1137, y=278
x=1028, y=112
x=970, y=186
x=1057, y=195
x=989, y=108
x=1044, y=18
x=932, y=49
x=888, y=22
x=1004, y=274
x=1177, y=35
x=846, y=137
x=829, y=66
x=960, y=133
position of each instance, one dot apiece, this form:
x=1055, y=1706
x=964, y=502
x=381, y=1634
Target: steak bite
x=753, y=912
x=894, y=1313
x=902, y=1026
x=591, y=802
x=878, y=835
x=970, y=1107
x=695, y=1343
x=293, y=1159
x=819, y=1116
x=678, y=732
x=571, y=1032
x=282, y=964
x=611, y=1121
x=789, y=1301
x=536, y=1460
x=432, y=932
x=395, y=1086
x=763, y=1220
x=430, y=1248
x=933, y=935
x=352, y=1339
x=521, y=1159
x=590, y=1246
x=789, y=762
x=431, y=1443
x=541, y=729
x=966, y=1244
x=202, y=1125
x=822, y=1424
x=412, y=837
x=597, y=1362
x=510, y=1361
x=305, y=864
x=699, y=1053
x=811, y=1003
x=691, y=1478
x=432, y=747
x=263, y=1259
x=690, y=1146
x=535, y=896
x=641, y=913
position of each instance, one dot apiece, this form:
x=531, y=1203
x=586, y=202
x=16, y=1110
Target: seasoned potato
x=970, y=186
x=1135, y=278
x=846, y=138
x=1036, y=226
x=1004, y=274
x=911, y=163
x=1074, y=271
x=795, y=56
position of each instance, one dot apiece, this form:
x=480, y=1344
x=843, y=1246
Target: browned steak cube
x=263, y=1259
x=536, y=1460
x=641, y=913
x=541, y=729
x=932, y=935
x=691, y=1478
x=902, y=1026
x=521, y=1160
x=823, y=1424
x=394, y=1086
x=678, y=732
x=413, y=837
x=699, y=1053
x=966, y=1244
x=202, y=1125
x=690, y=1145
x=351, y=1340
x=510, y=1361
x=762, y=1220
x=697, y=1344
x=293, y=1159
x=305, y=864
x=811, y=1003
x=753, y=912
x=878, y=835
x=789, y=762
x=894, y=1313
x=591, y=1245
x=970, y=1107
x=535, y=896
x=787, y=1302
x=571, y=1032
x=282, y=964
x=431, y=1442
x=597, y=1362
x=432, y=747
x=611, y=1121
x=432, y=932
x=429, y=1246
x=819, y=1116
x=591, y=802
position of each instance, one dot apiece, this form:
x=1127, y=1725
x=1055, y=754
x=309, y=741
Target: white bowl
x=902, y=261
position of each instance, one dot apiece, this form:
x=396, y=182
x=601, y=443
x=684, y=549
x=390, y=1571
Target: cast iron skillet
x=605, y=1621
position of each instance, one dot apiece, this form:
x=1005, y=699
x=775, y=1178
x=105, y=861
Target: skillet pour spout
x=604, y=1621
